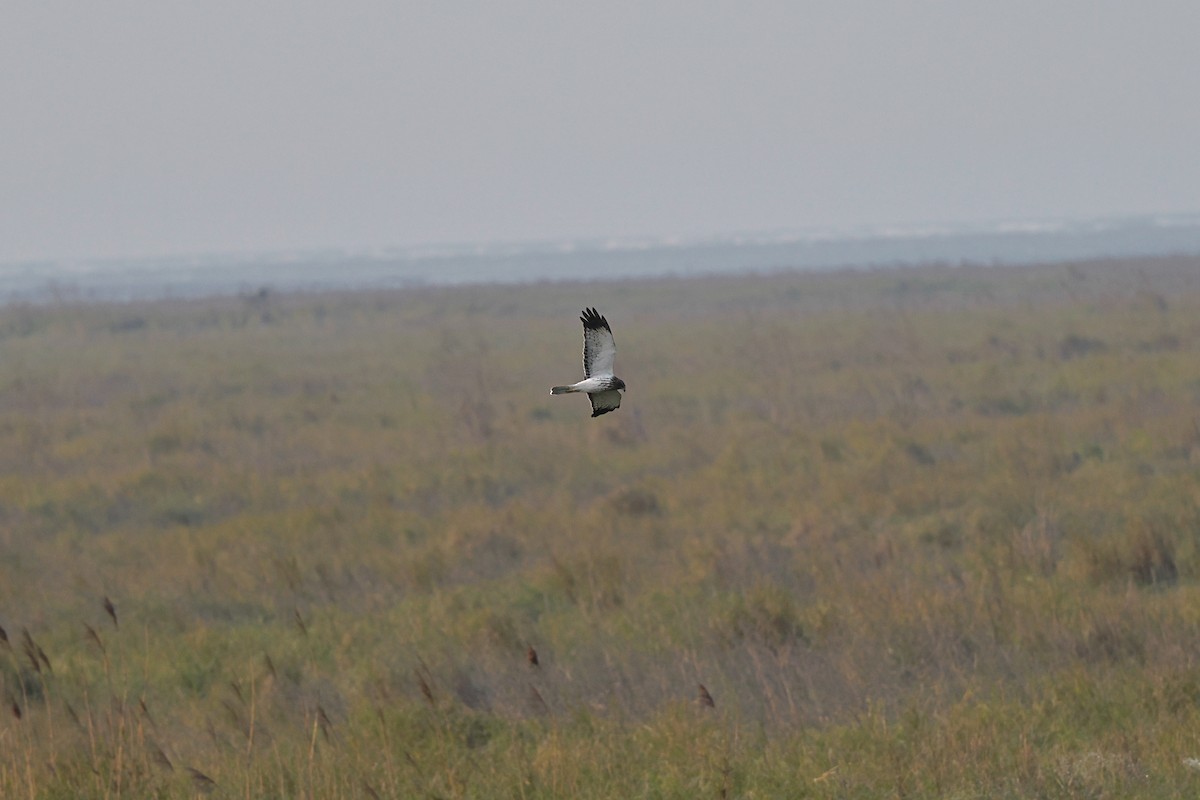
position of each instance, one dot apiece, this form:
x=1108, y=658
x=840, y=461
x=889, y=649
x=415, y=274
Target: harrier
x=602, y=387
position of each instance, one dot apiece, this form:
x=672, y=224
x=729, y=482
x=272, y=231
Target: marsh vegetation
x=930, y=532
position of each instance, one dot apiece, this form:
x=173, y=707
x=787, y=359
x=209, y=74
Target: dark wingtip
x=599, y=411
x=592, y=320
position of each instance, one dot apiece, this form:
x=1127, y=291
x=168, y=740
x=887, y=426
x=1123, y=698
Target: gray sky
x=146, y=127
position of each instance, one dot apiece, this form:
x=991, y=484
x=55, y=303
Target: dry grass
x=919, y=533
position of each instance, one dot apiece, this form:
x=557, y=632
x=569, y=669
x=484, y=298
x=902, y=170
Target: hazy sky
x=145, y=127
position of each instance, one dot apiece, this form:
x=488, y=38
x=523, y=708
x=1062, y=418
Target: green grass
x=920, y=533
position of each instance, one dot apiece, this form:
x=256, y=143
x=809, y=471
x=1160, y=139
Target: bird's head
x=619, y=384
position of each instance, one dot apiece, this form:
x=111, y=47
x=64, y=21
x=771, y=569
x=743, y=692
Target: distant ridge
x=1012, y=241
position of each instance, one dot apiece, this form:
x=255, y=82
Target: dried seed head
x=95, y=637
x=160, y=758
x=425, y=688
x=145, y=711
x=202, y=782
x=30, y=648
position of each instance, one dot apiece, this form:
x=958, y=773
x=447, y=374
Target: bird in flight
x=602, y=387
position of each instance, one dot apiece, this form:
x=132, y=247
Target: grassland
x=926, y=532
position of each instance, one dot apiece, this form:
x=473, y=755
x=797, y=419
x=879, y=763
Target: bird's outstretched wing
x=604, y=402
x=599, y=349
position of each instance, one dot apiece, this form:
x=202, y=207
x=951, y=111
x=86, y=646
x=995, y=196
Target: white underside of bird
x=600, y=383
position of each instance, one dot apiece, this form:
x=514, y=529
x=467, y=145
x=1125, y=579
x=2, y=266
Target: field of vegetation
x=923, y=533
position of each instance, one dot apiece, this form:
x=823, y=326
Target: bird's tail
x=563, y=389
